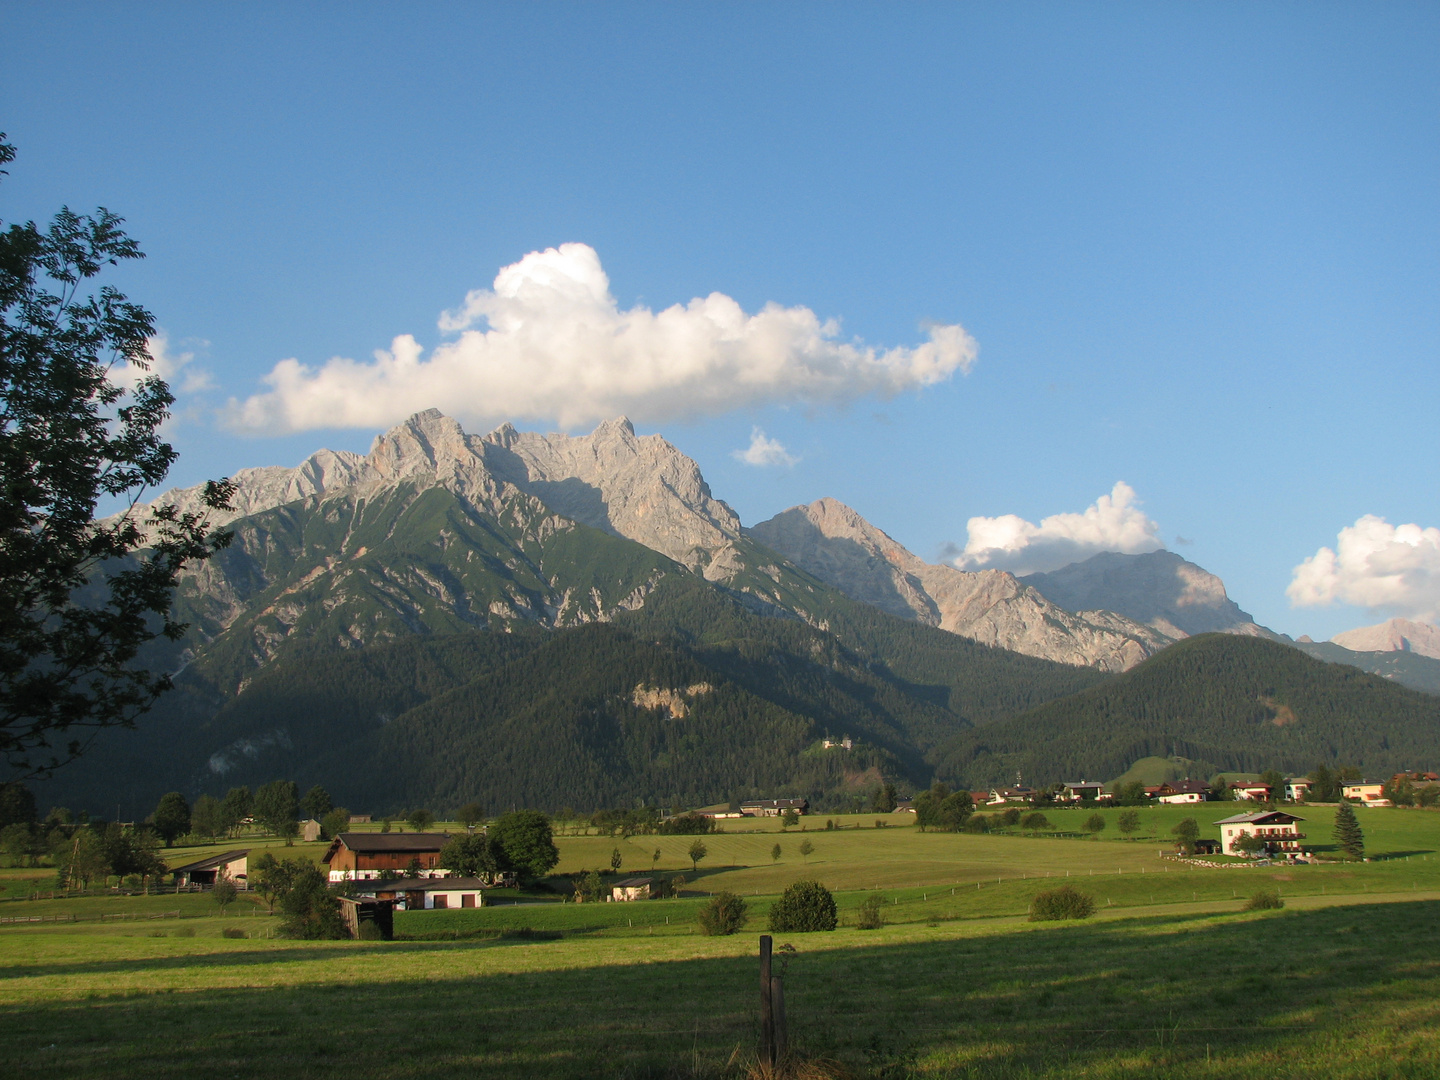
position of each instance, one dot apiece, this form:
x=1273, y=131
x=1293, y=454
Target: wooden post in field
x=777, y=1018
x=767, y=1028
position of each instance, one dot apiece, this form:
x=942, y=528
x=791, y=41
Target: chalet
x=1296, y=788
x=310, y=830
x=838, y=744
x=1183, y=791
x=904, y=806
x=1367, y=793
x=1253, y=790
x=1084, y=791
x=361, y=856
x=431, y=893
x=773, y=807
x=632, y=888
x=1275, y=827
x=234, y=865
x=1001, y=795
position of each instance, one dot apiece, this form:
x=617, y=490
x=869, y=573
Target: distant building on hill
x=632, y=888
x=1367, y=793
x=1296, y=788
x=773, y=807
x=1252, y=790
x=1084, y=791
x=1001, y=795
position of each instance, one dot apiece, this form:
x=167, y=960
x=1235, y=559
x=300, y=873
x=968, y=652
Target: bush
x=1066, y=902
x=184, y=931
x=1010, y=817
x=806, y=906
x=1265, y=900
x=872, y=913
x=232, y=932
x=1035, y=820
x=725, y=914
x=978, y=823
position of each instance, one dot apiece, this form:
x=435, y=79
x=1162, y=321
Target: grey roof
x=214, y=862
x=633, y=883
x=1257, y=817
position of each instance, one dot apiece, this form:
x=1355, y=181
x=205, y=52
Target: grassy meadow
x=1171, y=978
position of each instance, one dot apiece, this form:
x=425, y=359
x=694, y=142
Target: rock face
x=837, y=545
x=1159, y=589
x=1394, y=635
x=638, y=487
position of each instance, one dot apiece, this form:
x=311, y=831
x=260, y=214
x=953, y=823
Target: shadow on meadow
x=1168, y=995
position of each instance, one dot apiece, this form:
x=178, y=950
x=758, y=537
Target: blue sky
x=1196, y=246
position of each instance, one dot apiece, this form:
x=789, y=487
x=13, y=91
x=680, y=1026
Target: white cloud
x=764, y=451
x=550, y=342
x=1113, y=522
x=1391, y=568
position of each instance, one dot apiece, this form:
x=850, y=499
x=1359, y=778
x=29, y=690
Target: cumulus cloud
x=168, y=363
x=764, y=451
x=550, y=342
x=1113, y=522
x=1390, y=568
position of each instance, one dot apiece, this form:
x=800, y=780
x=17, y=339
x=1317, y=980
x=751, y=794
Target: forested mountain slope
x=1228, y=702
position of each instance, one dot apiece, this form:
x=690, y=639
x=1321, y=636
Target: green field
x=1170, y=979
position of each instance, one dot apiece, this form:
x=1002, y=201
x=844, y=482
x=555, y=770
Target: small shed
x=310, y=830
x=234, y=865
x=632, y=888
x=357, y=910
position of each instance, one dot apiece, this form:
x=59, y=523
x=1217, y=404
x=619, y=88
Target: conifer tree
x=1347, y=832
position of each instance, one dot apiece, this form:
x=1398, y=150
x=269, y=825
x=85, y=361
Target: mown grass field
x=1170, y=979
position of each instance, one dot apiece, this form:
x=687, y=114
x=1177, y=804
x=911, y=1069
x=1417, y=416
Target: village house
x=1183, y=791
x=1252, y=790
x=432, y=893
x=1000, y=795
x=1296, y=788
x=841, y=744
x=773, y=807
x=1367, y=793
x=357, y=856
x=1275, y=827
x=632, y=888
x=232, y=864
x=1084, y=791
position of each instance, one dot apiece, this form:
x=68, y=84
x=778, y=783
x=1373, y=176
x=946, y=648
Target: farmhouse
x=1010, y=794
x=354, y=856
x=1367, y=793
x=773, y=807
x=426, y=894
x=632, y=888
x=1275, y=827
x=1084, y=791
x=1183, y=791
x=1254, y=791
x=233, y=865
x=1296, y=788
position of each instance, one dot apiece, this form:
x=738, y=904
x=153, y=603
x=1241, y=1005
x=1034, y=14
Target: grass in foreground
x=1339, y=991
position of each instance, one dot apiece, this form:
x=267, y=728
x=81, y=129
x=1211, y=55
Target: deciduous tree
x=80, y=596
x=697, y=852
x=172, y=817
x=526, y=839
x=1128, y=823
x=316, y=803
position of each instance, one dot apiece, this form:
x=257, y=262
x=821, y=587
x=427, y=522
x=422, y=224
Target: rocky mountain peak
x=1158, y=588
x=837, y=545
x=1393, y=635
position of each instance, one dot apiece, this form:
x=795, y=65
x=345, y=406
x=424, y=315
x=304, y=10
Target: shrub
x=1265, y=900
x=872, y=913
x=978, y=823
x=725, y=914
x=1066, y=902
x=1095, y=823
x=1010, y=816
x=232, y=932
x=1035, y=820
x=806, y=906
x=184, y=931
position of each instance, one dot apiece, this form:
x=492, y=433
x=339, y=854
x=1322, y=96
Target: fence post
x=767, y=1029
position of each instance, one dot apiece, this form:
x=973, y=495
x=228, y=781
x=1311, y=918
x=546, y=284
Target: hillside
x=1227, y=702
x=582, y=716
x=1412, y=669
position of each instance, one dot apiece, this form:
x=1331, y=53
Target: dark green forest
x=1229, y=703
